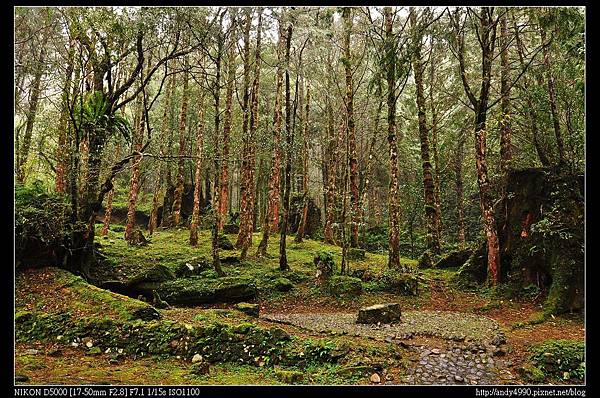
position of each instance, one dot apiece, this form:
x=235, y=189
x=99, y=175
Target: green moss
x=340, y=285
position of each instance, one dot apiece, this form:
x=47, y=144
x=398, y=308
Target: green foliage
x=404, y=282
x=560, y=359
x=42, y=224
x=94, y=114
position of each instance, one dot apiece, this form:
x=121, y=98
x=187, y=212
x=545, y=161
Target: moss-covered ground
x=49, y=300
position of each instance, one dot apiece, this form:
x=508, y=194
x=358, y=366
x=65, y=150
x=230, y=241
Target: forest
x=299, y=195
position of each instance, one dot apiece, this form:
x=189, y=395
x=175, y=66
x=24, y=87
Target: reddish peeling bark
x=224, y=184
x=248, y=225
x=244, y=170
x=272, y=217
x=134, y=181
x=487, y=34
x=178, y=195
x=166, y=127
x=394, y=205
x=353, y=163
x=198, y=174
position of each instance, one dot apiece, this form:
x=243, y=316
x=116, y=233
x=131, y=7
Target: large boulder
x=380, y=313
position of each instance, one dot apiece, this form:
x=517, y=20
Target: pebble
x=375, y=378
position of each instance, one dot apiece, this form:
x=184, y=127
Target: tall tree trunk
x=552, y=98
x=433, y=240
x=394, y=205
x=198, y=173
x=216, y=155
x=178, y=195
x=254, y=116
x=487, y=35
x=331, y=176
x=505, y=125
x=62, y=163
x=434, y=143
x=134, y=182
x=304, y=215
x=543, y=157
x=227, y=122
x=283, y=264
x=166, y=127
x=368, y=207
x=353, y=163
x=244, y=171
x=34, y=97
x=272, y=215
x=458, y=181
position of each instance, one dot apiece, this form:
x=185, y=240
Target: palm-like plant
x=94, y=115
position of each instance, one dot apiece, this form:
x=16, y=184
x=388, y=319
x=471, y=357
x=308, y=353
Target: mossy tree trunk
x=305, y=138
x=431, y=210
x=393, y=197
x=177, y=198
x=254, y=117
x=353, y=162
x=198, y=173
x=283, y=263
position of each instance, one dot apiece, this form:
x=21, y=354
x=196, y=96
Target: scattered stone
x=19, y=378
x=436, y=351
x=375, y=378
x=197, y=358
x=384, y=313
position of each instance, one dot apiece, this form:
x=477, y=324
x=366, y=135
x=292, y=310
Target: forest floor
x=447, y=335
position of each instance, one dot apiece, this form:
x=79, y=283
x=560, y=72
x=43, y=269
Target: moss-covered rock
x=194, y=290
x=194, y=266
x=283, y=284
x=341, y=285
x=150, y=278
x=289, y=376
x=380, y=313
x=532, y=374
x=248, y=309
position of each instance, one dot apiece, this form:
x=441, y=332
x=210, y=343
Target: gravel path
x=469, y=355
x=447, y=325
